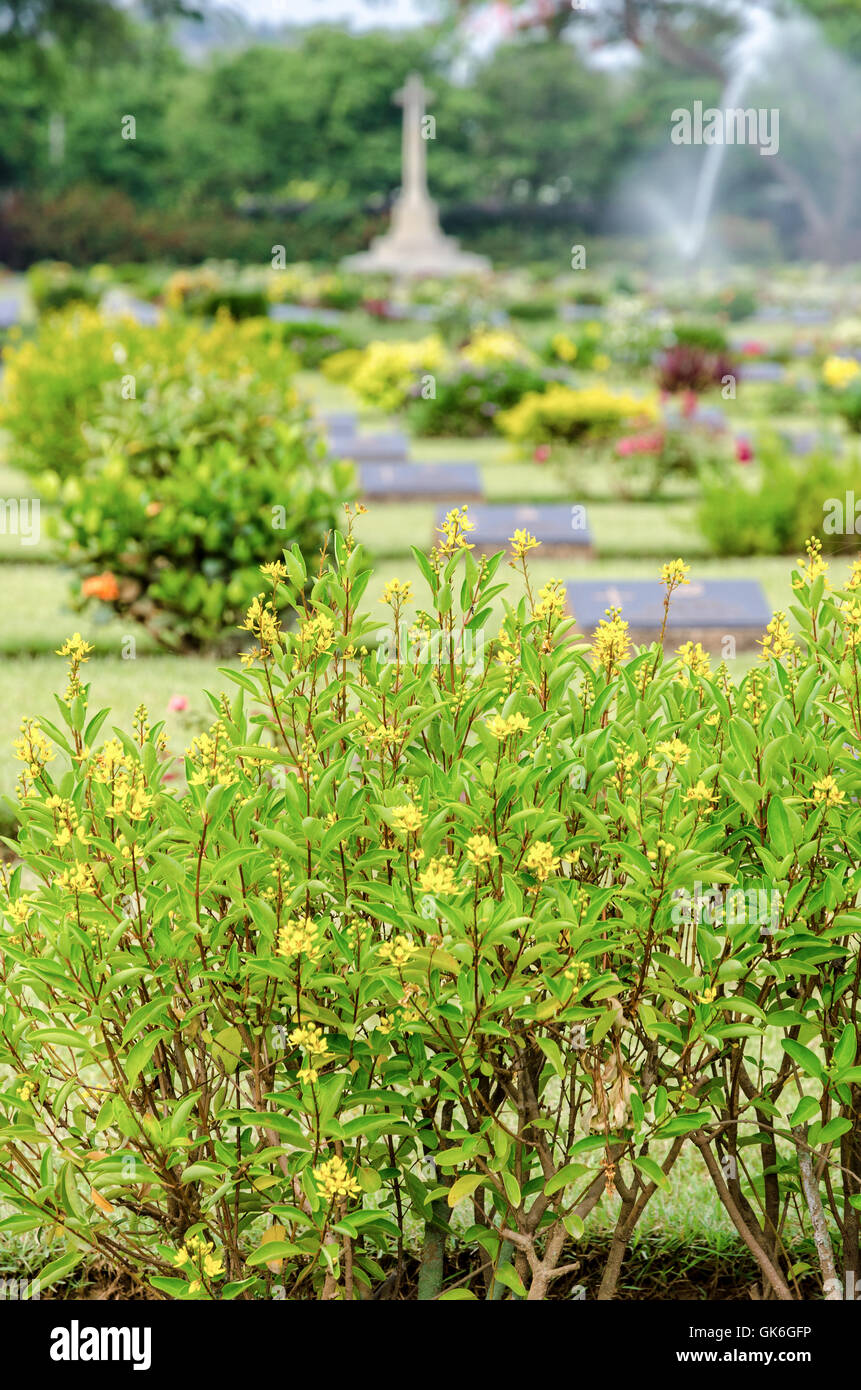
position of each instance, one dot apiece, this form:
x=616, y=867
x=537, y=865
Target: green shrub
x=55, y=285
x=239, y=302
x=709, y=336
x=467, y=399
x=403, y=962
x=735, y=304
x=533, y=310
x=188, y=490
x=775, y=513
x=312, y=343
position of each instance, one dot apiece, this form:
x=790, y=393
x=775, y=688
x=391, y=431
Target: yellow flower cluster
x=66, y=824
x=502, y=727
x=693, y=661
x=129, y=796
x=319, y=632
x=578, y=972
x=700, y=793
x=397, y=592
x=852, y=620
x=78, y=652
x=522, y=542
x=541, y=860
x=827, y=791
x=408, y=819
x=493, y=346
x=840, y=372
x=212, y=767
x=335, y=1180
x=20, y=910
x=311, y=1039
x=551, y=601
x=508, y=654
x=480, y=849
x=399, y=951
x=454, y=530
x=674, y=750
x=78, y=879
x=385, y=373
x=438, y=877
x=200, y=1252
x=813, y=566
x=275, y=571
x=33, y=747
x=778, y=640
x=299, y=938
x=611, y=643
x=674, y=575
x=563, y=347
x=262, y=622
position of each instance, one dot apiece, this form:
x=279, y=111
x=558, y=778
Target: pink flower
x=178, y=703
x=752, y=349
x=652, y=442
x=743, y=451
x=542, y=453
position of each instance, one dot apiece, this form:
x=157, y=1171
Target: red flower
x=542, y=453
x=743, y=451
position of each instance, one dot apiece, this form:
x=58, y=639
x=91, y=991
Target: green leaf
x=507, y=1275
x=226, y=1048
x=652, y=1170
x=826, y=1134
x=804, y=1058
x=141, y=1054
x=464, y=1187
x=805, y=1110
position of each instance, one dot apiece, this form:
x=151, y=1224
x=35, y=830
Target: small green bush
x=467, y=399
x=54, y=285
x=785, y=504
x=708, y=336
x=187, y=491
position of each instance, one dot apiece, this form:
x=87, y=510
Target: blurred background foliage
x=242, y=143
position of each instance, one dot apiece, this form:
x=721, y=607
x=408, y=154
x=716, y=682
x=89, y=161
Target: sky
x=359, y=13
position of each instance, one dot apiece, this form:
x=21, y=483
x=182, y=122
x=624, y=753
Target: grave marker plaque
x=704, y=611
x=420, y=482
x=370, y=448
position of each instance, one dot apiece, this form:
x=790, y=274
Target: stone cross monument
x=415, y=243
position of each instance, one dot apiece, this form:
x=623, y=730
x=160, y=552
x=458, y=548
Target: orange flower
x=103, y=586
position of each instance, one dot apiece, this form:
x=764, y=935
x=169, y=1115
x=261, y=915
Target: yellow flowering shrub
x=569, y=413
x=385, y=373
x=400, y=934
x=80, y=370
